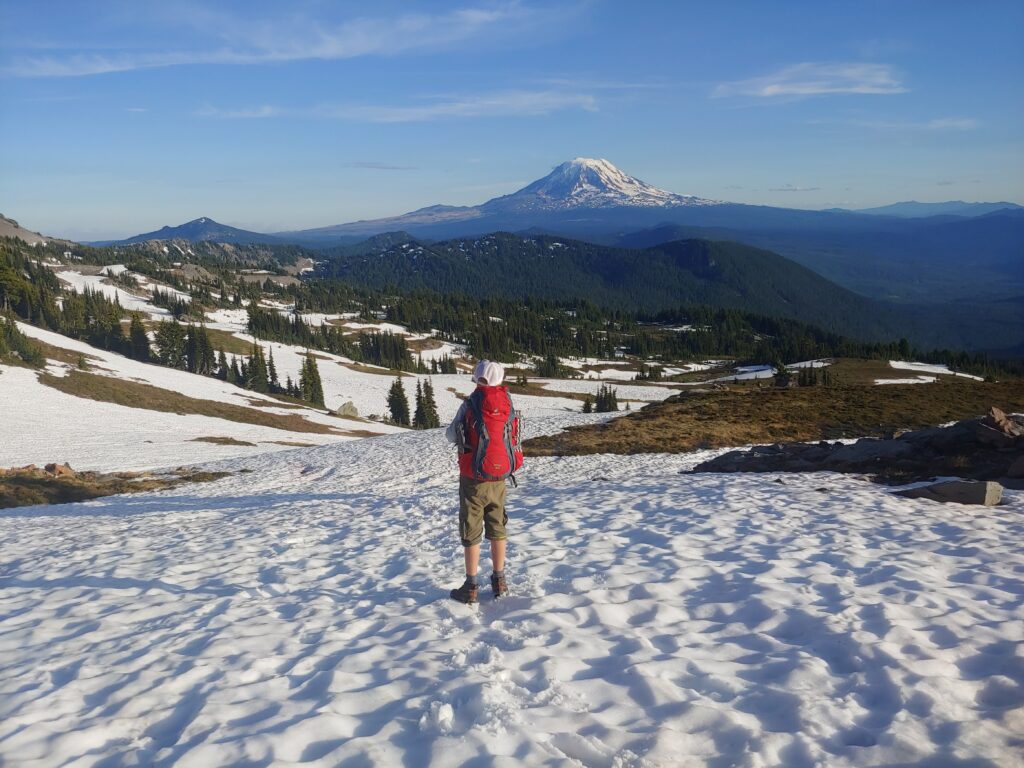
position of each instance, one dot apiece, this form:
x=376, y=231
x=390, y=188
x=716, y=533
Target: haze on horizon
x=122, y=117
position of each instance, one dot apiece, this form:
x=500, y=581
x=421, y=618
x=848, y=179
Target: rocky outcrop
x=986, y=448
x=987, y=493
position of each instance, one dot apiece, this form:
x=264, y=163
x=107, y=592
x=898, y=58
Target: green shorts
x=481, y=506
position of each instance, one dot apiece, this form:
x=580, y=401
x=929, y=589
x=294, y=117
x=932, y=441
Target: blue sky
x=121, y=116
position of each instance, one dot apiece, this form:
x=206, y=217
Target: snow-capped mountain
x=583, y=184
x=588, y=183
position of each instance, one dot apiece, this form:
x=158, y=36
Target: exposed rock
x=1005, y=424
x=987, y=493
x=347, y=410
x=1016, y=469
x=61, y=470
x=986, y=448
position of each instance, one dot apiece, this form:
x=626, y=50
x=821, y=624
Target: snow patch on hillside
x=904, y=365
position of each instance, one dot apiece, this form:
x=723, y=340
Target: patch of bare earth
x=693, y=420
x=59, y=484
x=133, y=394
x=219, y=440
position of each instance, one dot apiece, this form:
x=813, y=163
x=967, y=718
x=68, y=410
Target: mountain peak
x=586, y=182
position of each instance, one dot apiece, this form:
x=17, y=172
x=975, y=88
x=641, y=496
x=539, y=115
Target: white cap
x=489, y=373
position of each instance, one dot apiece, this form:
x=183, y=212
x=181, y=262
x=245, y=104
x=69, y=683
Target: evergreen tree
x=430, y=405
x=398, y=403
x=256, y=377
x=222, y=366
x=607, y=400
x=138, y=339
x=310, y=384
x=275, y=383
x=588, y=405
x=419, y=417
x=170, y=344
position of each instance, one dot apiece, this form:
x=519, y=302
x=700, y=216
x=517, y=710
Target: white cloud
x=936, y=124
x=791, y=188
x=244, y=41
x=498, y=104
x=817, y=79
x=375, y=165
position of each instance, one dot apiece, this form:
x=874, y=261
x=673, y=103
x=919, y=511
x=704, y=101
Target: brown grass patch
x=392, y=372
x=134, y=394
x=292, y=443
x=64, y=355
x=231, y=344
x=222, y=441
x=283, y=401
x=741, y=416
x=536, y=390
x=21, y=488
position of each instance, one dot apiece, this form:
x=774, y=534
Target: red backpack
x=492, y=447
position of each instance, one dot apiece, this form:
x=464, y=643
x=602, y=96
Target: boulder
x=987, y=493
x=1016, y=469
x=347, y=410
x=60, y=470
x=1008, y=425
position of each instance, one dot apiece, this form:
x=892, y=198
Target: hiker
x=486, y=430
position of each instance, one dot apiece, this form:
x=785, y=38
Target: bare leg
x=497, y=554
x=472, y=555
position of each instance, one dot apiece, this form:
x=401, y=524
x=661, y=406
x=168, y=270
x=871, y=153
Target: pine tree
x=588, y=405
x=275, y=383
x=256, y=372
x=430, y=405
x=138, y=339
x=398, y=403
x=607, y=400
x=419, y=417
x=222, y=366
x=310, y=384
x=170, y=344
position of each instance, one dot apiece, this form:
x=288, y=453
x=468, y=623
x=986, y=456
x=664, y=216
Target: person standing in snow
x=487, y=431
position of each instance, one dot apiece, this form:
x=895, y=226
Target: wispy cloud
x=498, y=104
x=600, y=84
x=378, y=166
x=937, y=124
x=791, y=188
x=295, y=39
x=817, y=79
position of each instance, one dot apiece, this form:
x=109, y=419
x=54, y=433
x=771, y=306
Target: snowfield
x=297, y=612
x=904, y=365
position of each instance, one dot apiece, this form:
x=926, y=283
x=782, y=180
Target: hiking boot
x=467, y=593
x=498, y=586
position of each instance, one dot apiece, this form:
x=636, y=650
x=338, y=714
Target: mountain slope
x=666, y=276
x=912, y=209
x=200, y=230
x=587, y=183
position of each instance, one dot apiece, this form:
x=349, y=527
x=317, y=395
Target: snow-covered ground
x=635, y=392
x=298, y=613
x=41, y=424
x=904, y=365
x=915, y=380
x=101, y=284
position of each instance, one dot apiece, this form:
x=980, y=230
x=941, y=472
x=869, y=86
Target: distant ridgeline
x=668, y=275
x=517, y=318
